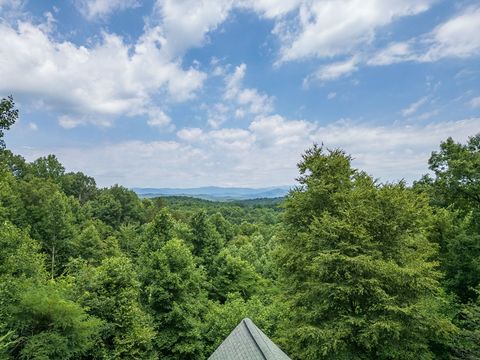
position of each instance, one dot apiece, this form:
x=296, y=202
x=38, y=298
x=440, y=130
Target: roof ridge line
x=253, y=337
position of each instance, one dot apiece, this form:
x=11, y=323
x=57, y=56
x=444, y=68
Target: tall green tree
x=116, y=206
x=173, y=291
x=205, y=239
x=357, y=266
x=48, y=167
x=79, y=185
x=8, y=116
x=111, y=293
x=234, y=275
x=455, y=191
x=457, y=174
x=49, y=214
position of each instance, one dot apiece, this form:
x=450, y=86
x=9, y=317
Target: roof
x=248, y=342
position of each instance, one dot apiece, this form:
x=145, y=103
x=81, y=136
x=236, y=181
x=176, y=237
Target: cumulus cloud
x=332, y=27
x=190, y=134
x=217, y=115
x=79, y=80
x=157, y=118
x=250, y=99
x=455, y=38
x=94, y=9
x=275, y=130
x=185, y=23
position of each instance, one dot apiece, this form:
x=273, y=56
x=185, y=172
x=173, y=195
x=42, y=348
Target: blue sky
x=184, y=93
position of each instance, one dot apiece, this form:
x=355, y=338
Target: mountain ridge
x=216, y=192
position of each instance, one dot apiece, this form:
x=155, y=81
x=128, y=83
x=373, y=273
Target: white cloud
x=331, y=95
x=11, y=10
x=249, y=99
x=395, y=152
x=93, y=9
x=455, y=38
x=393, y=53
x=79, y=81
x=276, y=130
x=217, y=115
x=185, y=23
x=157, y=118
x=190, y=134
x=264, y=154
x=68, y=122
x=333, y=71
x=238, y=101
x=32, y=126
x=475, y=102
x=231, y=140
x=428, y=114
x=11, y=4
x=413, y=108
x=333, y=27
x=458, y=37
x=270, y=8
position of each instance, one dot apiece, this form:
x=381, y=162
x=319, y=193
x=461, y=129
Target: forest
x=344, y=267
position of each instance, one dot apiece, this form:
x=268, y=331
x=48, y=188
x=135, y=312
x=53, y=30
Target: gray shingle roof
x=248, y=342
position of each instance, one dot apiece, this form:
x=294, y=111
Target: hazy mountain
x=216, y=193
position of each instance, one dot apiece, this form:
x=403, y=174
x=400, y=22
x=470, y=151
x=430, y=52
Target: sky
x=187, y=93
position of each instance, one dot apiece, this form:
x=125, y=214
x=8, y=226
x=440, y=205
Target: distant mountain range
x=216, y=193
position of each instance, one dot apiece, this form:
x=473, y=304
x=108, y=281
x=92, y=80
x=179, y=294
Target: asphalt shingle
x=248, y=342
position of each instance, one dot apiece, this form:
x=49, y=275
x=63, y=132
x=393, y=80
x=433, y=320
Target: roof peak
x=248, y=341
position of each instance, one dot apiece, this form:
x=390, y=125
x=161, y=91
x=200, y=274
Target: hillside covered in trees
x=345, y=267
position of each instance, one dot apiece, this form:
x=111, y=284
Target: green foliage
x=79, y=185
x=466, y=345
x=90, y=245
x=221, y=319
x=50, y=217
x=11, y=207
x=8, y=116
x=172, y=288
x=116, y=206
x=457, y=173
x=15, y=164
x=49, y=326
x=223, y=226
x=234, y=275
x=158, y=231
x=363, y=285
x=205, y=239
x=47, y=167
x=111, y=292
x=19, y=255
x=456, y=191
x=129, y=240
